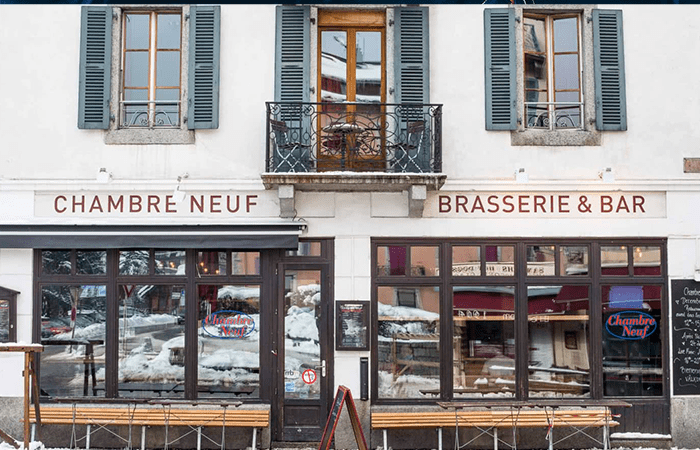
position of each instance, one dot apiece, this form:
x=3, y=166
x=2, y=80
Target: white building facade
x=476, y=204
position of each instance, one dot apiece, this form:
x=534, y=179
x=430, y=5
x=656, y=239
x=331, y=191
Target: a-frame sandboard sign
x=342, y=396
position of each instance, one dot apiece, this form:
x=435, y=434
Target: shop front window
x=228, y=341
x=632, y=358
x=408, y=342
x=483, y=341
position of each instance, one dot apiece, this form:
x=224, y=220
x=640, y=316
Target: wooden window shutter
x=292, y=58
x=499, y=67
x=203, y=70
x=609, y=69
x=411, y=55
x=95, y=67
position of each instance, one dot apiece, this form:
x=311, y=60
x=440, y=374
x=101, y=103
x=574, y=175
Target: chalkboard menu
x=352, y=330
x=685, y=322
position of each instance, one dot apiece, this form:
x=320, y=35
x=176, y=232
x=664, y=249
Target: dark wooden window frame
x=594, y=279
x=11, y=297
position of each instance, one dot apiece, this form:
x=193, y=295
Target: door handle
x=322, y=367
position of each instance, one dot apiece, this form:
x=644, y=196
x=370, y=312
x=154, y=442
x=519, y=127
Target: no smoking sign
x=308, y=376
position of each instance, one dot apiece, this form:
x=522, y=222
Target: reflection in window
x=391, y=260
x=540, y=260
x=647, y=260
x=408, y=343
x=55, y=262
x=245, y=263
x=151, y=345
x=558, y=339
x=228, y=341
x=500, y=260
x=613, y=260
x=484, y=341
x=306, y=248
x=425, y=260
x=5, y=322
x=91, y=262
x=573, y=260
x=466, y=261
x=170, y=262
x=73, y=320
x=133, y=262
x=632, y=363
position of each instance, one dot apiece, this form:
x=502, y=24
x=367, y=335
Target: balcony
x=150, y=114
x=554, y=115
x=353, y=146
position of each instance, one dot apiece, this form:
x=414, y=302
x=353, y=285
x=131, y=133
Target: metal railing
x=150, y=114
x=554, y=115
x=354, y=137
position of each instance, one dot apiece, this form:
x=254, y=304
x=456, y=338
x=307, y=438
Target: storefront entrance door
x=304, y=368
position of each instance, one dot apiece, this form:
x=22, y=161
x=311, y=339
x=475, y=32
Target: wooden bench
x=167, y=414
x=488, y=421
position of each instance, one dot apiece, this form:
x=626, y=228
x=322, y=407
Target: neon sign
x=630, y=325
x=228, y=325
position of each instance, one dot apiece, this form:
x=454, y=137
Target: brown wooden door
x=304, y=353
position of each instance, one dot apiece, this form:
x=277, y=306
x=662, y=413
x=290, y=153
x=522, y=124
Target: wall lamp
x=521, y=176
x=103, y=176
x=607, y=175
x=179, y=194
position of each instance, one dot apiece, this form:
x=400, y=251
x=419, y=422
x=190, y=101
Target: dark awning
x=238, y=236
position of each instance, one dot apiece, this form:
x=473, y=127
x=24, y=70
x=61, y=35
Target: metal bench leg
x=199, y=438
x=87, y=439
x=385, y=439
x=439, y=438
x=255, y=438
x=33, y=431
x=495, y=438
x=551, y=438
x=143, y=437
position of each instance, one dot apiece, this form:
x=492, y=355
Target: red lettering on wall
x=153, y=201
x=81, y=203
x=116, y=206
x=96, y=205
x=228, y=204
x=477, y=204
x=491, y=202
x=169, y=203
x=539, y=202
x=622, y=204
x=605, y=204
x=55, y=204
x=523, y=204
x=507, y=201
x=638, y=200
x=563, y=204
x=444, y=205
x=135, y=203
x=249, y=202
x=199, y=204
x=461, y=200
x=215, y=204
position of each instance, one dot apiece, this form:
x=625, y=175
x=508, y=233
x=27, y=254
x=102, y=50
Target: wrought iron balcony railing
x=554, y=115
x=150, y=114
x=354, y=137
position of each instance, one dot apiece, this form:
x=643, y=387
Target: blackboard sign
x=352, y=325
x=685, y=322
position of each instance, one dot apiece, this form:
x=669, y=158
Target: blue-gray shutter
x=411, y=55
x=292, y=54
x=203, y=70
x=609, y=68
x=499, y=67
x=95, y=65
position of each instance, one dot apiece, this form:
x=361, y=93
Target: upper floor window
x=150, y=94
x=542, y=84
x=552, y=69
x=169, y=73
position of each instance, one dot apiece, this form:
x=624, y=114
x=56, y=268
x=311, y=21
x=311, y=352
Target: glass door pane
x=302, y=350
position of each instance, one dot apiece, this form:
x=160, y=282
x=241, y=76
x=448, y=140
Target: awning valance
x=238, y=236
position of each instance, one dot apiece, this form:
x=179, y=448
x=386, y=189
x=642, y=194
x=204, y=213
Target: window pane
x=535, y=72
x=484, y=341
x=425, y=261
x=333, y=66
x=137, y=31
x=534, y=35
x=73, y=320
x=245, y=263
x=229, y=341
x=211, y=263
x=170, y=262
x=559, y=336
x=91, y=263
x=55, y=262
x=368, y=66
x=566, y=72
x=391, y=260
x=167, y=113
x=499, y=260
x=632, y=363
x=306, y=249
x=409, y=342
x=613, y=260
x=647, y=260
x=151, y=340
x=136, y=69
x=167, y=68
x=466, y=261
x=133, y=262
x=136, y=114
x=540, y=260
x=566, y=35
x=168, y=31
x=573, y=260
